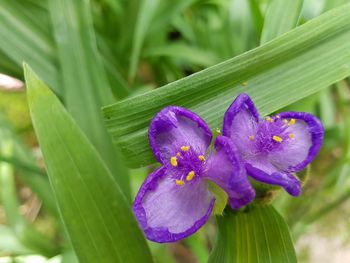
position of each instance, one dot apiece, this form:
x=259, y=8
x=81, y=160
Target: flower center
x=186, y=165
x=272, y=135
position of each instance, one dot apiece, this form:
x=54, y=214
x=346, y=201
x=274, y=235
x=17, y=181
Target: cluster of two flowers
x=174, y=201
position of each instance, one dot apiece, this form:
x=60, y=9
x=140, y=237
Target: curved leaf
x=95, y=212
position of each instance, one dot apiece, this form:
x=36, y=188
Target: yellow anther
x=173, y=161
x=190, y=176
x=201, y=157
x=291, y=122
x=285, y=121
x=251, y=137
x=291, y=135
x=179, y=182
x=185, y=148
x=277, y=138
x=269, y=119
x=178, y=154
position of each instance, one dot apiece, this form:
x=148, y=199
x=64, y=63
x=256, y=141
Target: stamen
x=178, y=154
x=185, y=148
x=277, y=138
x=291, y=122
x=173, y=161
x=278, y=116
x=201, y=158
x=269, y=119
x=291, y=135
x=251, y=137
x=179, y=182
x=285, y=121
x=190, y=176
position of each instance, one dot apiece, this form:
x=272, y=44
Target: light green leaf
x=24, y=162
x=25, y=233
x=9, y=242
x=257, y=234
x=96, y=214
x=284, y=70
x=85, y=81
x=281, y=16
x=220, y=198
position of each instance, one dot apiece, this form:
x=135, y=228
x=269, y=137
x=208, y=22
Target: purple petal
x=241, y=121
x=174, y=127
x=262, y=171
x=307, y=140
x=226, y=169
x=168, y=212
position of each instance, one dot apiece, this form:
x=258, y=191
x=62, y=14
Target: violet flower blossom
x=174, y=201
x=275, y=147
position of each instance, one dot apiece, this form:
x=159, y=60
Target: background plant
x=96, y=53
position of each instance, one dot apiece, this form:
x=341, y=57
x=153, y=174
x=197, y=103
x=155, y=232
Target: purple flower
x=174, y=201
x=275, y=147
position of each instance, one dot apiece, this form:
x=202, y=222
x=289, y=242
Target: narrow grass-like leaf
x=96, y=214
x=258, y=234
x=256, y=15
x=144, y=19
x=25, y=233
x=282, y=71
x=281, y=16
x=28, y=171
x=85, y=81
x=9, y=242
x=22, y=39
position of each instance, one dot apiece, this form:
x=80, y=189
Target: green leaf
x=284, y=70
x=84, y=78
x=144, y=19
x=9, y=242
x=257, y=234
x=96, y=214
x=220, y=198
x=25, y=233
x=281, y=16
x=29, y=172
x=184, y=52
x=23, y=38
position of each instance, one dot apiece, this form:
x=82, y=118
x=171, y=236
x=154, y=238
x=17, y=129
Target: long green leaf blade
x=144, y=19
x=84, y=78
x=258, y=234
x=96, y=214
x=289, y=68
x=25, y=163
x=281, y=16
